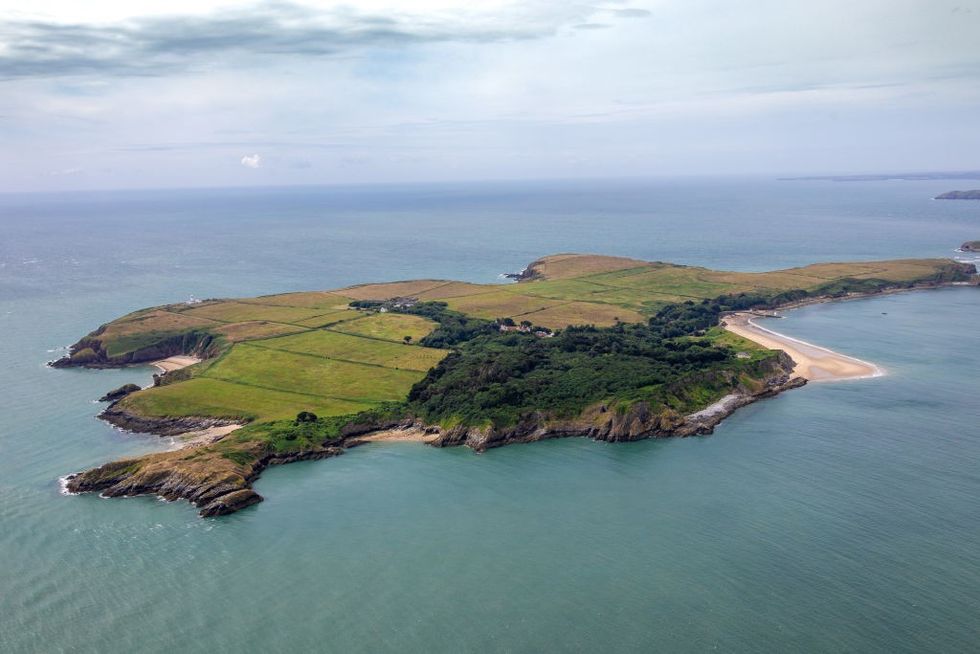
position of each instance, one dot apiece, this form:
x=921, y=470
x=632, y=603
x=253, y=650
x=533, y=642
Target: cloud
x=157, y=45
x=630, y=13
x=252, y=161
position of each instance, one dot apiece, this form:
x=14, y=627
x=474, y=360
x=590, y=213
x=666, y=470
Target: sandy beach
x=409, y=435
x=813, y=362
x=204, y=436
x=175, y=363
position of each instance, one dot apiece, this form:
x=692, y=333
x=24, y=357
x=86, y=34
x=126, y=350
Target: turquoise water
x=839, y=517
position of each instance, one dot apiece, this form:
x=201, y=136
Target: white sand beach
x=813, y=362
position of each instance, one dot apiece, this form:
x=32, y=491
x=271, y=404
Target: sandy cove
x=813, y=362
x=410, y=434
x=175, y=363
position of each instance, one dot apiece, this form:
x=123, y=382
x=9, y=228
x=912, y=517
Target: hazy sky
x=195, y=93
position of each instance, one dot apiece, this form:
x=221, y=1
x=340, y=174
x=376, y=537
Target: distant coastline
x=884, y=177
x=959, y=195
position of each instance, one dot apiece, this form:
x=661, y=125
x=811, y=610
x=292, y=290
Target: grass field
x=203, y=396
x=244, y=331
x=329, y=318
x=309, y=351
x=313, y=375
x=245, y=311
x=387, y=326
x=311, y=299
x=391, y=289
x=591, y=313
x=502, y=303
x=345, y=347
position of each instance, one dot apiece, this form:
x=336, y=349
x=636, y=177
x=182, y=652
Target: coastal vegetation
x=610, y=347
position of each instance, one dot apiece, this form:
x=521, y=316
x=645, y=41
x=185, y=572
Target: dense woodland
x=500, y=377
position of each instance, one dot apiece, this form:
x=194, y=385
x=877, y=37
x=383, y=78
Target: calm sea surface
x=836, y=518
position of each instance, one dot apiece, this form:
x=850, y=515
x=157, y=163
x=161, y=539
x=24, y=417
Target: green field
x=203, y=396
x=242, y=311
x=387, y=327
x=346, y=347
x=312, y=374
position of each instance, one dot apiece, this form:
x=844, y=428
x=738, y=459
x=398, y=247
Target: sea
x=840, y=517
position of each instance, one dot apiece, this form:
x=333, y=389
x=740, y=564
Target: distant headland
x=959, y=195
x=609, y=348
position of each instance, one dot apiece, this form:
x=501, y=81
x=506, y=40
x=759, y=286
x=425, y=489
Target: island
x=609, y=348
x=959, y=195
x=971, y=246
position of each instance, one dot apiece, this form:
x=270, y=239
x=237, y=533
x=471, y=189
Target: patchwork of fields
x=325, y=370
x=309, y=351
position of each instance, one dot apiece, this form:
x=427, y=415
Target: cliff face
x=161, y=426
x=91, y=351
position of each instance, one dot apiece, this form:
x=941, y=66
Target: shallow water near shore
x=836, y=517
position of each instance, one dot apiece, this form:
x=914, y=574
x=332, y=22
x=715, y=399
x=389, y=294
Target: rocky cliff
x=91, y=352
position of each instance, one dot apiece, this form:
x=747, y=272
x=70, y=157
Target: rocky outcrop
x=216, y=484
x=161, y=426
x=971, y=246
x=230, y=502
x=119, y=393
x=530, y=273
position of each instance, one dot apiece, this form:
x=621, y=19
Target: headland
x=959, y=195
x=609, y=348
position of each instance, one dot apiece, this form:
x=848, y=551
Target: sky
x=180, y=93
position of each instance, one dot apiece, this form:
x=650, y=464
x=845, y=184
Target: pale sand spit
x=813, y=362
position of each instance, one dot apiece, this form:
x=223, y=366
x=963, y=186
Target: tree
x=407, y=339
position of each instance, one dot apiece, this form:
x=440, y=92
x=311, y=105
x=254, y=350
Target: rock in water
x=119, y=393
